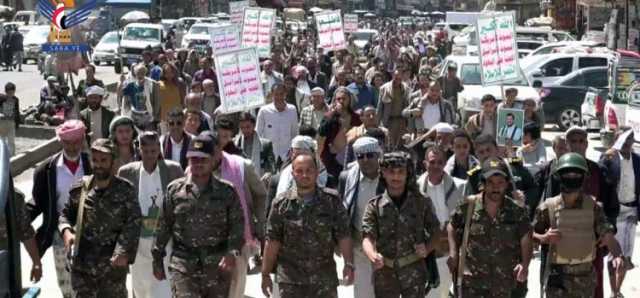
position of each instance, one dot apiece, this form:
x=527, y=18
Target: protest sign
x=238, y=74
x=225, y=38
x=236, y=11
x=330, y=31
x=498, y=49
x=350, y=23
x=256, y=29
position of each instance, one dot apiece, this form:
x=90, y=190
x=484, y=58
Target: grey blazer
x=169, y=171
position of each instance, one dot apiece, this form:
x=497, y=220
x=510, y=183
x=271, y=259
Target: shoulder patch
x=515, y=160
x=474, y=170
x=330, y=191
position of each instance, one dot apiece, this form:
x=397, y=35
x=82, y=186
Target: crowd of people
x=361, y=153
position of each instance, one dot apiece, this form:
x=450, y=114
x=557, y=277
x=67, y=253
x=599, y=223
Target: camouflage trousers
x=60, y=261
x=200, y=283
x=288, y=290
x=572, y=286
x=406, y=282
x=108, y=284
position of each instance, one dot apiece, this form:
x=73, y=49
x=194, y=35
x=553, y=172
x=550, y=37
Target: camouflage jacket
x=110, y=226
x=395, y=227
x=204, y=224
x=493, y=249
x=24, y=231
x=308, y=231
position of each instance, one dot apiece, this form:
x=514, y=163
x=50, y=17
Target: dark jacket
x=166, y=146
x=107, y=116
x=613, y=166
x=44, y=199
x=17, y=41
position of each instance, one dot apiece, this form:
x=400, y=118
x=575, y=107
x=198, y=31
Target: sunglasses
x=370, y=155
x=174, y=123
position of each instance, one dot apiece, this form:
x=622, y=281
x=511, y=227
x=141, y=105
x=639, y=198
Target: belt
x=577, y=269
x=402, y=261
x=631, y=204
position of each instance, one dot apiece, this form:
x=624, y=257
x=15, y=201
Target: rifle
x=465, y=240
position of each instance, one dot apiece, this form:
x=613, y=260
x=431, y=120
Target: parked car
x=542, y=33
x=563, y=99
x=550, y=68
x=33, y=41
x=593, y=107
x=106, y=49
x=529, y=44
x=135, y=38
x=199, y=36
x=468, y=70
x=551, y=47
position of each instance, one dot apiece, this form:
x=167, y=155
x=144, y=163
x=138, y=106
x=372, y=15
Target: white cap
x=366, y=145
x=443, y=127
x=304, y=142
x=95, y=90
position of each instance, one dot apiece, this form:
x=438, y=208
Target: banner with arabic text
x=238, y=75
x=236, y=11
x=225, y=38
x=330, y=31
x=256, y=29
x=497, y=48
x=350, y=23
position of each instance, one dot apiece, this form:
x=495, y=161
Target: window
x=591, y=61
x=576, y=81
x=558, y=67
x=470, y=74
x=596, y=79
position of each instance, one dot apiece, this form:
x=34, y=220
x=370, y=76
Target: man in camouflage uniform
x=399, y=229
x=203, y=217
x=303, y=226
x=100, y=226
x=526, y=192
x=496, y=253
x=569, y=268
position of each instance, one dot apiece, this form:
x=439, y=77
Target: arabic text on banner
x=238, y=74
x=256, y=29
x=497, y=48
x=330, y=31
x=225, y=38
x=350, y=23
x=236, y=11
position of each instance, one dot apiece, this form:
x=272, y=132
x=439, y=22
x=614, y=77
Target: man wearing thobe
x=150, y=177
x=357, y=185
x=96, y=117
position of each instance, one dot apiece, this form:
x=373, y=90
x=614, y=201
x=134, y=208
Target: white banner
x=238, y=75
x=236, y=11
x=225, y=38
x=350, y=23
x=330, y=31
x=498, y=49
x=256, y=29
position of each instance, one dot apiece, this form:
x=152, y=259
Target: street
x=29, y=83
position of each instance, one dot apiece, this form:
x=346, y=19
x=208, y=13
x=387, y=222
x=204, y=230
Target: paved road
x=29, y=81
x=50, y=290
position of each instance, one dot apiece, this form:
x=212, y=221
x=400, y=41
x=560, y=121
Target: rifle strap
x=471, y=204
x=86, y=182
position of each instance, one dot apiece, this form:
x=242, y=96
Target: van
x=26, y=17
x=549, y=68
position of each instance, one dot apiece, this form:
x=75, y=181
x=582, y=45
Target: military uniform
x=519, y=174
x=23, y=229
x=396, y=229
x=307, y=229
x=110, y=226
x=572, y=275
x=493, y=248
x=205, y=225
x=15, y=226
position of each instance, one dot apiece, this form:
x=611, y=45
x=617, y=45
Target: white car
x=33, y=41
x=199, y=36
x=363, y=36
x=106, y=49
x=552, y=47
x=550, y=68
x=468, y=70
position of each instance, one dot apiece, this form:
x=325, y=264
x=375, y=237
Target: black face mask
x=569, y=185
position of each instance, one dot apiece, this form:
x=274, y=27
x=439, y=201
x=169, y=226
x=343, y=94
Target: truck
x=459, y=17
x=134, y=39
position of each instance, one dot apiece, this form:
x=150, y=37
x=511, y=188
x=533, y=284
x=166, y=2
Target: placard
x=238, y=74
x=236, y=11
x=330, y=31
x=498, y=49
x=350, y=23
x=225, y=38
x=510, y=127
x=256, y=29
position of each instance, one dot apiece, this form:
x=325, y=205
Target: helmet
x=571, y=161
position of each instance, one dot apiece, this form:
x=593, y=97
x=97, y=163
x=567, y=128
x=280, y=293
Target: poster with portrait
x=510, y=127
